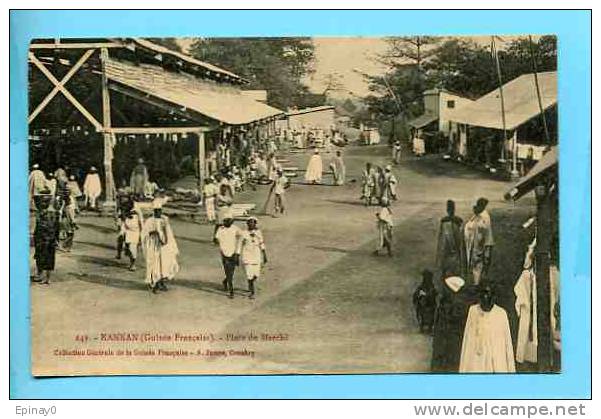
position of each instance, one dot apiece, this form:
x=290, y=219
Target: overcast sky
x=346, y=57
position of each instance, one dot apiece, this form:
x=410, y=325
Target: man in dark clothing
x=424, y=301
x=449, y=324
x=45, y=237
x=450, y=254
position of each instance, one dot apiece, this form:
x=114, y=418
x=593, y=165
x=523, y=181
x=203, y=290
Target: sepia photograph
x=294, y=205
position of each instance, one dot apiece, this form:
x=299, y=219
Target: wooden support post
x=543, y=288
x=201, y=160
x=108, y=137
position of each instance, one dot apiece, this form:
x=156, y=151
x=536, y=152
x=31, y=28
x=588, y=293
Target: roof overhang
x=187, y=94
x=543, y=168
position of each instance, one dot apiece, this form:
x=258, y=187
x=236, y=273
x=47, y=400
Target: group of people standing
x=378, y=185
x=470, y=331
x=314, y=171
x=53, y=206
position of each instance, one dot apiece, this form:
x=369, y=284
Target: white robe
x=91, y=186
x=160, y=250
x=37, y=182
x=314, y=169
x=487, y=343
x=525, y=307
x=419, y=146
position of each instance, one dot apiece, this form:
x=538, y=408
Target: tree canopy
x=277, y=65
x=460, y=65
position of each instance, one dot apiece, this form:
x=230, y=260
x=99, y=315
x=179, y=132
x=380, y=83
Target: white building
x=320, y=117
x=439, y=106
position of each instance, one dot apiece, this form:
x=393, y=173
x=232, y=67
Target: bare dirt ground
x=325, y=304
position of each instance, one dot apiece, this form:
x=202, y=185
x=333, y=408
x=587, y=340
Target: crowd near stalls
x=113, y=122
x=139, y=117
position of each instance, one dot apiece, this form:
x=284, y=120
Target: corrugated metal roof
x=521, y=103
x=528, y=182
x=220, y=102
x=423, y=120
x=189, y=59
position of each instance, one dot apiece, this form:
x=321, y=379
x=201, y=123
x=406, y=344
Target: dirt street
x=325, y=304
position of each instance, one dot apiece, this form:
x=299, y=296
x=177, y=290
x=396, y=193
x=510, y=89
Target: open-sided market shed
x=510, y=108
x=105, y=88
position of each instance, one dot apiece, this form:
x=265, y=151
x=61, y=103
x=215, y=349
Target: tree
x=459, y=65
x=349, y=106
x=332, y=83
x=277, y=65
x=406, y=51
x=462, y=66
x=400, y=90
x=468, y=68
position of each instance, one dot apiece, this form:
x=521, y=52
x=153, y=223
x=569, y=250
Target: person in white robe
x=389, y=184
x=419, y=145
x=478, y=239
x=209, y=192
x=280, y=184
x=525, y=307
x=139, y=179
x=314, y=170
x=368, y=184
x=92, y=188
x=385, y=225
x=160, y=250
x=132, y=226
x=251, y=248
x=51, y=183
x=271, y=167
x=75, y=191
x=487, y=345
x=338, y=169
x=396, y=152
x=37, y=183
x=262, y=169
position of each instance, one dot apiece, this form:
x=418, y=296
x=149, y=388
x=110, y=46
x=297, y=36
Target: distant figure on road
x=209, y=193
x=251, y=248
x=132, y=225
x=396, y=152
x=92, y=188
x=479, y=242
x=450, y=251
x=389, y=182
x=280, y=184
x=419, y=145
x=385, y=224
x=160, y=250
x=139, y=179
x=368, y=184
x=314, y=169
x=424, y=301
x=228, y=236
x=338, y=169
